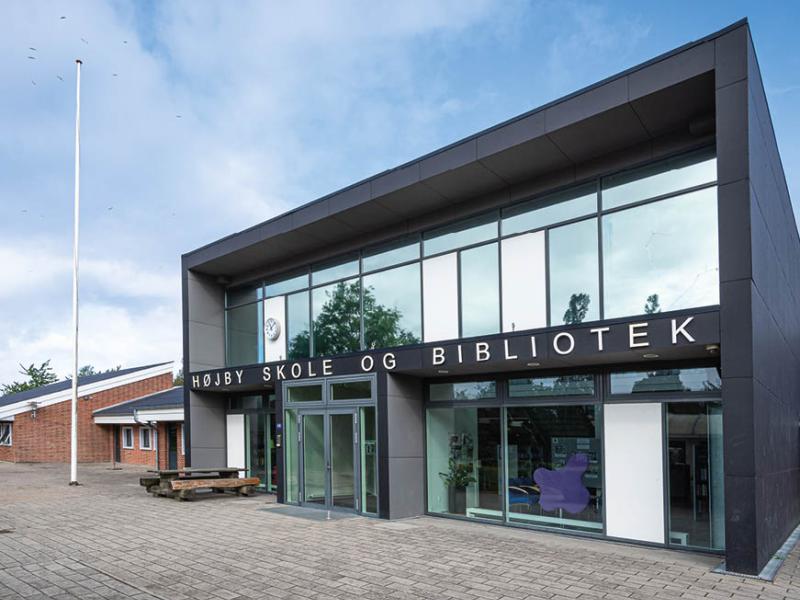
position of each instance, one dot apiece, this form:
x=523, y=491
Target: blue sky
x=203, y=118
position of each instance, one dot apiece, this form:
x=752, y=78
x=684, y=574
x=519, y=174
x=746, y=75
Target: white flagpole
x=73, y=476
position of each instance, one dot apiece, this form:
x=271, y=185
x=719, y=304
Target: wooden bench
x=185, y=488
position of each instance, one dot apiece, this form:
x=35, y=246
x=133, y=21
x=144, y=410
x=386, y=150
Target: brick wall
x=46, y=437
x=138, y=456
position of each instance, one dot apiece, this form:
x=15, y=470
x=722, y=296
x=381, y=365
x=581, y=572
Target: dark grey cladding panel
x=668, y=109
x=394, y=180
x=510, y=134
x=366, y=217
x=730, y=56
x=671, y=71
x=413, y=200
x=588, y=104
x=612, y=130
x=350, y=198
x=527, y=160
x=465, y=182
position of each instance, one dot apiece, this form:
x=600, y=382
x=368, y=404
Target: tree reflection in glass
x=392, y=308
x=336, y=324
x=574, y=273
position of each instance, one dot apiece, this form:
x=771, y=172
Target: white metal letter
x=571, y=339
x=599, y=331
x=681, y=330
x=633, y=334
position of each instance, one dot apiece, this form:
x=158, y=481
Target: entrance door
x=328, y=444
x=118, y=443
x=172, y=446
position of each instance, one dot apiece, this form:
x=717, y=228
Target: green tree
x=337, y=327
x=578, y=307
x=652, y=306
x=36, y=377
x=87, y=370
x=178, y=379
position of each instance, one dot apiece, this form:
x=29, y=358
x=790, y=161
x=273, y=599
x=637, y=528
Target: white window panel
x=275, y=308
x=235, y=441
x=145, y=438
x=634, y=487
x=524, y=282
x=127, y=438
x=440, y=297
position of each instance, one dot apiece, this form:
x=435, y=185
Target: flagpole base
x=74, y=483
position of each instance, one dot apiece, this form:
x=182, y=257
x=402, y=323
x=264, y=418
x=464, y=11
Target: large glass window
x=392, y=307
x=549, y=210
x=463, y=462
x=244, y=331
x=337, y=318
x=554, y=467
x=656, y=381
x=298, y=337
x=480, y=291
x=564, y=385
x=290, y=284
x=574, y=273
x=696, y=475
x=472, y=231
x=304, y=393
x=462, y=390
x=662, y=256
x=390, y=255
x=349, y=391
x=332, y=272
x=663, y=177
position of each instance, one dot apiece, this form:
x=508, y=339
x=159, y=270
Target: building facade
x=35, y=424
x=582, y=320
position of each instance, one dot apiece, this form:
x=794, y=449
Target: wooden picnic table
x=182, y=483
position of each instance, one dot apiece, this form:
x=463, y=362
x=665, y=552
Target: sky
x=200, y=119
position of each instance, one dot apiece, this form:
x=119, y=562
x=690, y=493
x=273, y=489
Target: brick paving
x=108, y=539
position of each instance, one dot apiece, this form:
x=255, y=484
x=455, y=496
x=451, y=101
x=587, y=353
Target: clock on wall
x=272, y=329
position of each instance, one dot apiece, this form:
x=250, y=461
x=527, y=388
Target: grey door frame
x=326, y=414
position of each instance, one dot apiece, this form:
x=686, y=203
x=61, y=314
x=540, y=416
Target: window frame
x=8, y=426
x=122, y=438
x=149, y=446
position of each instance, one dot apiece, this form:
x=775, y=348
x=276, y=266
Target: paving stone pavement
x=109, y=539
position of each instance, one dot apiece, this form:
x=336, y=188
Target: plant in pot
x=458, y=477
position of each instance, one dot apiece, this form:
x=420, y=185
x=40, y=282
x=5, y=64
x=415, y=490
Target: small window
x=285, y=285
x=246, y=402
x=127, y=438
x=389, y=255
x=304, y=393
x=472, y=231
x=467, y=390
x=666, y=380
x=145, y=438
x=5, y=434
x=566, y=385
x=555, y=208
x=332, y=272
x=351, y=390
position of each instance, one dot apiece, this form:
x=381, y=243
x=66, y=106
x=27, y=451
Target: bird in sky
x=32, y=57
x=62, y=18
x=113, y=74
x=84, y=40
x=60, y=77
x=32, y=48
x=33, y=82
x=177, y=116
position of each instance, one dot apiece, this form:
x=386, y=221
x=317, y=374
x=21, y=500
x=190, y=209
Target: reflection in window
x=369, y=460
x=390, y=255
x=480, y=291
x=667, y=176
x=666, y=380
x=351, y=390
x=392, y=307
x=696, y=475
x=464, y=390
x=244, y=332
x=304, y=393
x=463, y=450
x=554, y=467
x=574, y=287
x=662, y=256
x=290, y=456
x=324, y=273
x=565, y=385
x=336, y=325
x=552, y=209
x=246, y=402
x=464, y=233
x=297, y=326
x=284, y=286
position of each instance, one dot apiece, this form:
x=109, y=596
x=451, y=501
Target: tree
x=87, y=370
x=652, y=306
x=36, y=377
x=178, y=379
x=337, y=327
x=578, y=307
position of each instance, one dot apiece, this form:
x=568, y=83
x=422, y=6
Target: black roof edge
x=719, y=33
x=123, y=403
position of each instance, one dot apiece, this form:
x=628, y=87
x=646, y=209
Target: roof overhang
x=159, y=415
x=651, y=105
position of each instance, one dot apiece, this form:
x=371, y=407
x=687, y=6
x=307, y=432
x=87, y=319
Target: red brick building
x=35, y=424
x=147, y=430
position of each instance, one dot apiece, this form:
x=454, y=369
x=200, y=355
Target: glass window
x=127, y=438
x=337, y=322
x=465, y=233
x=297, y=327
x=524, y=280
x=440, y=297
x=661, y=256
x=243, y=294
x=290, y=453
x=465, y=390
x=549, y=210
x=256, y=446
x=244, y=331
x=352, y=390
x=660, y=178
x=480, y=291
x=463, y=462
x=5, y=434
x=566, y=385
x=574, y=278
x=286, y=285
x=326, y=273
x=392, y=307
x=554, y=467
x=696, y=475
x=666, y=380
x=246, y=402
x=390, y=255
x=304, y=393
x=145, y=438
x=369, y=460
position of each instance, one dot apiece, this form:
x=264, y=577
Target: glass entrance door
x=328, y=443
